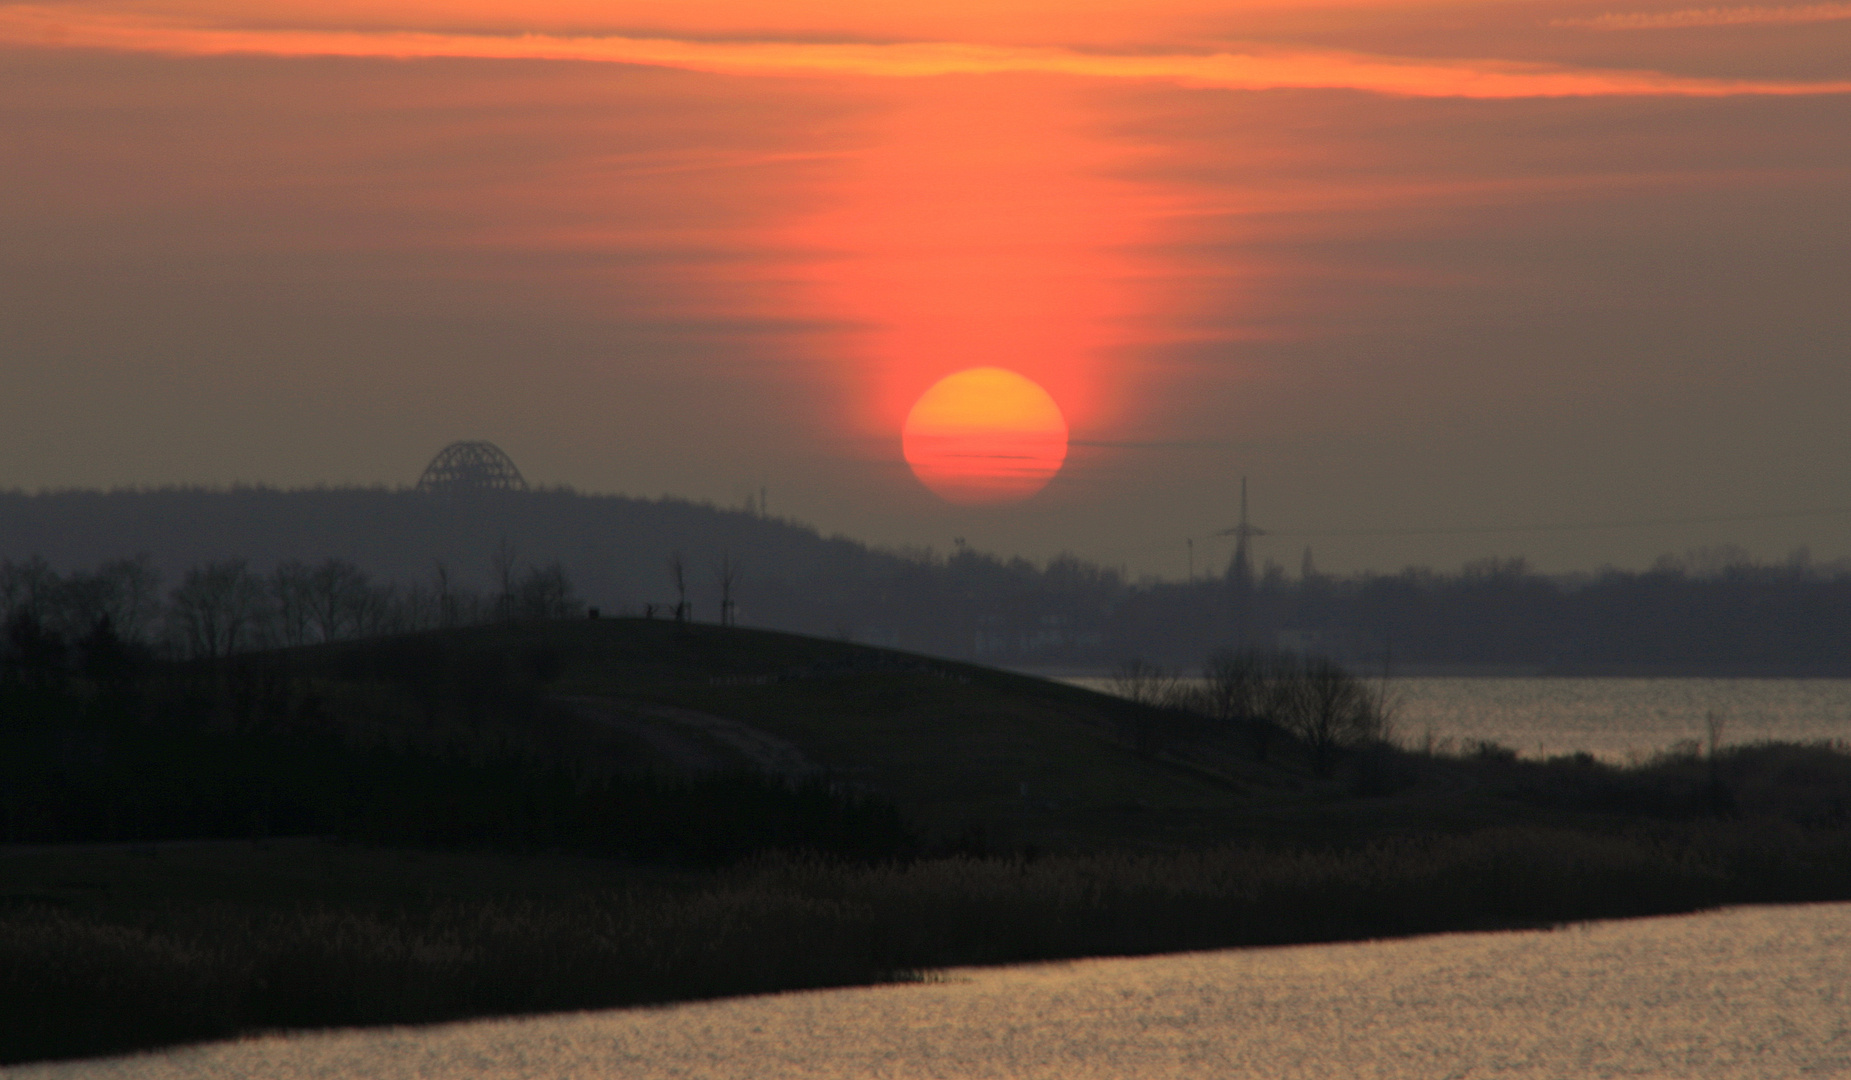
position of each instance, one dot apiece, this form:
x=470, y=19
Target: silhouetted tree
x=503, y=565
x=135, y=598
x=728, y=575
x=337, y=597
x=452, y=606
x=107, y=660
x=377, y=609
x=1245, y=688
x=216, y=608
x=34, y=654
x=546, y=593
x=31, y=586
x=79, y=601
x=678, y=576
x=1329, y=710
x=1145, y=683
x=290, y=587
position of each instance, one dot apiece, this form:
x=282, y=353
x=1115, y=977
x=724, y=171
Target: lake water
x=1759, y=992
x=1616, y=719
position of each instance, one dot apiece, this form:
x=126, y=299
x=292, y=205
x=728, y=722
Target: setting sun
x=985, y=435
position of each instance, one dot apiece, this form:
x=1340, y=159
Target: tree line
x=1709, y=610
x=1713, y=610
x=225, y=607
x=442, y=740
x=1256, y=695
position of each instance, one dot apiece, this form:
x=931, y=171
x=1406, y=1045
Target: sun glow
x=978, y=225
x=985, y=435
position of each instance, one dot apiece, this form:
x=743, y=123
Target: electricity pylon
x=1240, y=567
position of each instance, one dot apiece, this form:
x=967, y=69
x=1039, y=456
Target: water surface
x=1618, y=719
x=1753, y=992
x=1613, y=718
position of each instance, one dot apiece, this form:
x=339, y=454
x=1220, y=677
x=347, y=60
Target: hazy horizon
x=1210, y=563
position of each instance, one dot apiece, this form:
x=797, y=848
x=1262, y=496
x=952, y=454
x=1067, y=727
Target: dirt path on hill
x=694, y=741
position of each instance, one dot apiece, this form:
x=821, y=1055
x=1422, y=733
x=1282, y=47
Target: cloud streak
x=1269, y=69
x=1710, y=16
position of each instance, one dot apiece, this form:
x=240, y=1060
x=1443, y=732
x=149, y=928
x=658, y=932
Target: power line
x=1494, y=530
x=1574, y=526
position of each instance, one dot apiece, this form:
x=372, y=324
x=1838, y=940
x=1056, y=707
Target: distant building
x=471, y=466
x=1240, y=566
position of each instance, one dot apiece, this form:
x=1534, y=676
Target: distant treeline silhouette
x=225, y=607
x=1253, y=696
x=1713, y=610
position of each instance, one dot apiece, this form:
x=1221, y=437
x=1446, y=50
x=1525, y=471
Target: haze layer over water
x=1753, y=992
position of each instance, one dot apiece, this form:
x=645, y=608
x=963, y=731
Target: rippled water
x=1753, y=992
x=1617, y=719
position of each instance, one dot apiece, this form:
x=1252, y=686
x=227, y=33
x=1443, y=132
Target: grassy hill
x=973, y=757
x=970, y=755
x=522, y=720
x=961, y=749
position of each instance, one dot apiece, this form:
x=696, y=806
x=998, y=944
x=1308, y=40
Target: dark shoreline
x=1533, y=671
x=1528, y=671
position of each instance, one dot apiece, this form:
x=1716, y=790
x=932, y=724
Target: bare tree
x=80, y=603
x=31, y=586
x=728, y=574
x=1329, y=710
x=122, y=594
x=291, y=588
x=546, y=593
x=375, y=609
x=1713, y=726
x=136, y=598
x=218, y=608
x=678, y=575
x=336, y=598
x=417, y=608
x=1145, y=683
x=32, y=653
x=1236, y=684
x=1160, y=689
x=503, y=565
x=1244, y=689
x=446, y=603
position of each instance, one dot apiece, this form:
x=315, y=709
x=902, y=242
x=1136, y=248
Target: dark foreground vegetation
x=521, y=818
x=78, y=983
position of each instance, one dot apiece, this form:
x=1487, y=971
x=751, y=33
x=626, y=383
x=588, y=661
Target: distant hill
x=1719, y=615
x=614, y=548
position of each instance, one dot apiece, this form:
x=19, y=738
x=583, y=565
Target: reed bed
x=75, y=984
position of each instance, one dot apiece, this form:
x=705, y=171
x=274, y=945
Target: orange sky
x=978, y=230
x=1453, y=263
x=806, y=42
